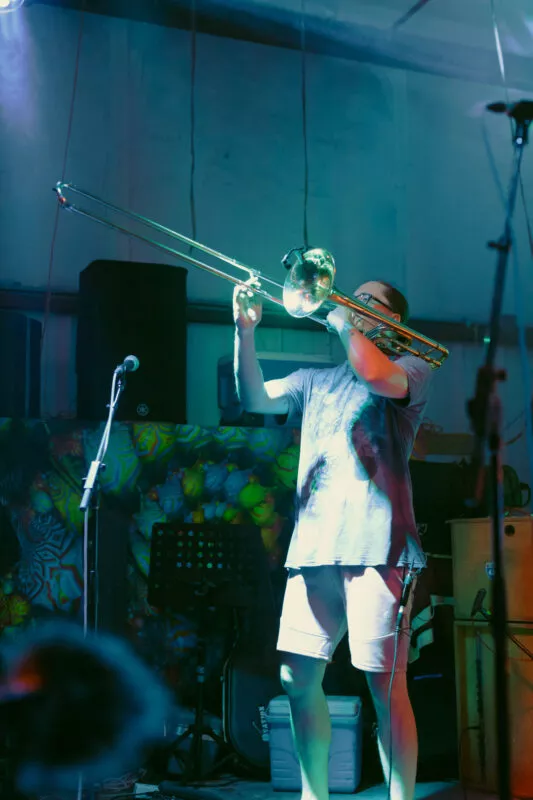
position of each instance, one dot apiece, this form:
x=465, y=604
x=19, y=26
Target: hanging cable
x=519, y=295
x=48, y=296
x=303, y=49
x=410, y=13
x=192, y=198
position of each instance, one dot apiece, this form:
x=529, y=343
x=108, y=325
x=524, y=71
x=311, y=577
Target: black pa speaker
x=129, y=308
x=20, y=364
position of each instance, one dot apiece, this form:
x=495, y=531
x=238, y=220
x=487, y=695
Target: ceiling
x=452, y=38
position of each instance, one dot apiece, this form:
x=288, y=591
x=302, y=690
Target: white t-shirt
x=354, y=501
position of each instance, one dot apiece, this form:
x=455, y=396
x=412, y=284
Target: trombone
x=308, y=290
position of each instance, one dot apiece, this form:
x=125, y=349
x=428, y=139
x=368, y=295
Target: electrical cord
x=404, y=600
x=304, y=123
x=389, y=705
x=464, y=731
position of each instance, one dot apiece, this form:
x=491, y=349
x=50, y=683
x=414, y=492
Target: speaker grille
x=139, y=309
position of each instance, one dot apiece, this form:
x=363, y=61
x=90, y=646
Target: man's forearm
x=248, y=375
x=365, y=359
x=372, y=366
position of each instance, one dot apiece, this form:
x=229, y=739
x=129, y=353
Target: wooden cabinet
x=474, y=652
x=476, y=713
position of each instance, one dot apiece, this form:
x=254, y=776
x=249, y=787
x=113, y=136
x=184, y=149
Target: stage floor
x=254, y=790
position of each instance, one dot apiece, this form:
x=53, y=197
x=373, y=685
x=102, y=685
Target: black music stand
x=213, y=565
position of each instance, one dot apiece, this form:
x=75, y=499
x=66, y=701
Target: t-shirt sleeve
x=293, y=387
x=419, y=375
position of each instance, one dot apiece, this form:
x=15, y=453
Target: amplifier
x=473, y=564
x=250, y=680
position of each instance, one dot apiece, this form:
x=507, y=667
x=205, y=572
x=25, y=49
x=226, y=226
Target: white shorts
x=322, y=603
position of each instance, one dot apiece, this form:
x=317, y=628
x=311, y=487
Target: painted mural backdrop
x=154, y=473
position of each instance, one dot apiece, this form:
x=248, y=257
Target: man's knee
x=301, y=675
x=379, y=684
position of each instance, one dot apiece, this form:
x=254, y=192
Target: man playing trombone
x=355, y=547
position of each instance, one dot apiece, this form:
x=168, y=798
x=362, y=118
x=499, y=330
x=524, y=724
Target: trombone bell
x=310, y=280
x=310, y=288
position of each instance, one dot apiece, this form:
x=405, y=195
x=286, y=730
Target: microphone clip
x=404, y=599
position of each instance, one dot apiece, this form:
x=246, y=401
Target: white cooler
x=344, y=755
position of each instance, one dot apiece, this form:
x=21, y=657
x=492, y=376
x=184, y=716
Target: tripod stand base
x=193, y=759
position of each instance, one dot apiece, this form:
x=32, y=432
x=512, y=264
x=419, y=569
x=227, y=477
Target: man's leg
x=372, y=601
x=312, y=623
x=400, y=724
x=302, y=678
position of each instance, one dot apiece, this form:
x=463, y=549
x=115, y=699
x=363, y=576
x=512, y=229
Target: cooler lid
x=339, y=706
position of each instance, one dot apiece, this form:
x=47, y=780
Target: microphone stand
x=485, y=415
x=90, y=505
x=90, y=502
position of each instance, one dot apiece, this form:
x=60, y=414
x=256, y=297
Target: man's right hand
x=247, y=307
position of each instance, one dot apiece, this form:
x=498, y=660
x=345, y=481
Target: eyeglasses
x=365, y=297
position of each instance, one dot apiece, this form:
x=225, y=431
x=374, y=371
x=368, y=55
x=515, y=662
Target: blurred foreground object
x=72, y=704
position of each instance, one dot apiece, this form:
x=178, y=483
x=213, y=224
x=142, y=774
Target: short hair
x=396, y=300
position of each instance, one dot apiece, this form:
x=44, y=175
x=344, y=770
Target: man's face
x=372, y=294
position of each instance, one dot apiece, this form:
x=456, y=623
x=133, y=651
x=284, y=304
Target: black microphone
x=477, y=606
x=130, y=364
x=522, y=111
x=295, y=257
x=404, y=599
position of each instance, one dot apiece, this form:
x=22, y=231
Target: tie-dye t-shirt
x=354, y=501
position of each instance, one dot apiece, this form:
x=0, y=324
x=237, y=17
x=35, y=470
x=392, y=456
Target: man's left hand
x=339, y=319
